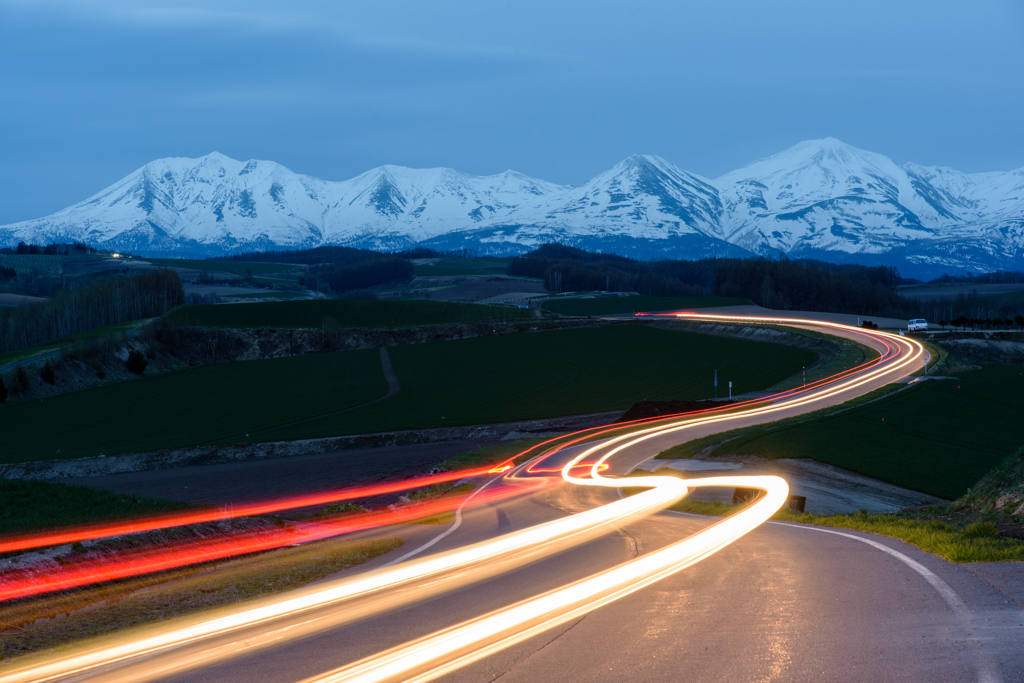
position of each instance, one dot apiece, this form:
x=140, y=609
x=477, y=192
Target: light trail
x=443, y=652
x=447, y=650
x=16, y=584
x=94, y=531
x=29, y=581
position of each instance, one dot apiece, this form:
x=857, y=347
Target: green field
x=462, y=266
x=33, y=505
x=631, y=304
x=342, y=313
x=267, y=295
x=1016, y=296
x=28, y=263
x=461, y=382
x=938, y=436
x=237, y=267
x=548, y=374
x=220, y=402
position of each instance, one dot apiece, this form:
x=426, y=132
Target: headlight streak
x=24, y=542
x=448, y=650
x=31, y=581
x=445, y=651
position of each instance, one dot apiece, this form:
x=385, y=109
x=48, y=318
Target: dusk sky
x=90, y=91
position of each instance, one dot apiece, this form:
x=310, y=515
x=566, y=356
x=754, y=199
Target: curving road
x=784, y=602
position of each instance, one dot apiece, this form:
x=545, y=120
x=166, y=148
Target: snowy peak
x=818, y=170
x=658, y=198
x=820, y=198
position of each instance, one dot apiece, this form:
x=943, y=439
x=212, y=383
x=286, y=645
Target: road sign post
x=716, y=384
x=730, y=390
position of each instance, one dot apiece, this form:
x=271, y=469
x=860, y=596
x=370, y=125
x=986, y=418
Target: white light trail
x=259, y=624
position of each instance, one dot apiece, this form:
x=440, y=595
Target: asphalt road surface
x=783, y=603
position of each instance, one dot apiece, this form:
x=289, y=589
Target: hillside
x=821, y=198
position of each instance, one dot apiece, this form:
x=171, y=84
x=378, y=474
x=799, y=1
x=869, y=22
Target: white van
x=919, y=325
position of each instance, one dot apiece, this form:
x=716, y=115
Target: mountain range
x=821, y=198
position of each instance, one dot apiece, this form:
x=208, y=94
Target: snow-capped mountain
x=215, y=204
x=644, y=205
x=826, y=199
x=820, y=198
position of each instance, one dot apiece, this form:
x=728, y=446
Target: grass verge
x=951, y=531
x=851, y=354
x=935, y=530
x=489, y=455
x=59, y=620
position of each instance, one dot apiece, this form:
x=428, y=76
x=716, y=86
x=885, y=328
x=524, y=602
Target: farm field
x=268, y=295
x=42, y=263
x=630, y=304
x=458, y=266
x=471, y=381
x=237, y=267
x=949, y=291
x=939, y=436
x=550, y=374
x=189, y=407
x=341, y=312
x=32, y=505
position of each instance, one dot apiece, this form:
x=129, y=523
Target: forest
x=781, y=284
x=337, y=269
x=105, y=303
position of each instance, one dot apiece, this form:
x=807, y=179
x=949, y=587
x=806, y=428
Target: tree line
x=105, y=303
x=779, y=284
x=55, y=249
x=972, y=310
x=337, y=269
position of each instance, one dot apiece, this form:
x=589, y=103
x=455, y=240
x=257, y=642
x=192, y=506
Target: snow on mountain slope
x=642, y=197
x=215, y=204
x=393, y=206
x=827, y=195
x=820, y=198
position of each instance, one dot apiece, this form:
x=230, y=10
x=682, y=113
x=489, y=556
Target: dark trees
x=47, y=374
x=107, y=303
x=136, y=362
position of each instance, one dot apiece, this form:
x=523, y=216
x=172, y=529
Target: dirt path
x=389, y=374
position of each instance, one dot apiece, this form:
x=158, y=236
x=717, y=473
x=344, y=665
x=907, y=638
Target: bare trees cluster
x=106, y=303
x=779, y=284
x=972, y=310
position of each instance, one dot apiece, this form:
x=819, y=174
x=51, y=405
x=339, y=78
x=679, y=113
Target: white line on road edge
x=985, y=670
x=444, y=534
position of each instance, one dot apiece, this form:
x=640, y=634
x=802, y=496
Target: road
x=784, y=602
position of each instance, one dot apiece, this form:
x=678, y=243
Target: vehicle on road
x=919, y=325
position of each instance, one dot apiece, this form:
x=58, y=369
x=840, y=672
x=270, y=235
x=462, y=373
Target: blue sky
x=90, y=91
